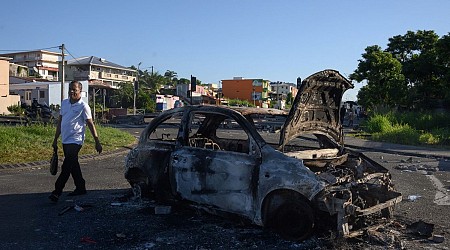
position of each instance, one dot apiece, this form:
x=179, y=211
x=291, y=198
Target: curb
x=46, y=164
x=422, y=155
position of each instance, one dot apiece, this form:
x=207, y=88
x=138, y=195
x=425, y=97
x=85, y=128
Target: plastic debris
x=78, y=208
x=413, y=197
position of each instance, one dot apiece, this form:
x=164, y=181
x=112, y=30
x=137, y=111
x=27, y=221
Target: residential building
x=44, y=92
x=98, y=70
x=255, y=91
x=281, y=90
x=6, y=98
x=165, y=102
x=17, y=79
x=41, y=63
x=196, y=97
x=17, y=70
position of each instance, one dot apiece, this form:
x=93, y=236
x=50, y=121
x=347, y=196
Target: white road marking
x=441, y=197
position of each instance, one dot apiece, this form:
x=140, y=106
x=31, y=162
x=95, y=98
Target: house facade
x=42, y=62
x=99, y=71
x=44, y=92
x=282, y=89
x=6, y=98
x=255, y=91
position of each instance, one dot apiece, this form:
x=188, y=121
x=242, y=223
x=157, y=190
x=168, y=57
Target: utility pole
x=278, y=99
x=62, y=72
x=135, y=88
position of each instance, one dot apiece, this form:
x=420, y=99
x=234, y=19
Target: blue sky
x=215, y=40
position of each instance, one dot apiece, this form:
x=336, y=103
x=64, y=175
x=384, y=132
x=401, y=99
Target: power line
x=72, y=55
x=28, y=50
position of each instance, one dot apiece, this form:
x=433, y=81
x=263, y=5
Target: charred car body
x=214, y=157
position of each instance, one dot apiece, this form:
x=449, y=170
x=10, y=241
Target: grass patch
x=22, y=144
x=411, y=128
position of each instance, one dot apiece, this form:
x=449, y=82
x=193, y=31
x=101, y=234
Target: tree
x=417, y=53
x=184, y=81
x=171, y=77
x=125, y=94
x=383, y=73
x=443, y=61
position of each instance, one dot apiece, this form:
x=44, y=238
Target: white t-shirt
x=73, y=122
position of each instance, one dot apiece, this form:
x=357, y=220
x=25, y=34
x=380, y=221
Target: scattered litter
x=163, y=209
x=65, y=209
x=390, y=238
x=438, y=238
x=149, y=245
x=121, y=235
x=416, y=167
x=87, y=239
x=413, y=197
x=78, y=208
x=409, y=160
x=421, y=228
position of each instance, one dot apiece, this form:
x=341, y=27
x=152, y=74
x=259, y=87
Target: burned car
x=280, y=170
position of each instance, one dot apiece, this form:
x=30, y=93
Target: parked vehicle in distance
x=286, y=171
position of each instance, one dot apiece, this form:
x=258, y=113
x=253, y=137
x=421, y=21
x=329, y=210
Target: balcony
x=116, y=77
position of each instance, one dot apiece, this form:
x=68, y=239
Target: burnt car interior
x=211, y=131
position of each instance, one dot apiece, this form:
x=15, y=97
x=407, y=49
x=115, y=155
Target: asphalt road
x=112, y=219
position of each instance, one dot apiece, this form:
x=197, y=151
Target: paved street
x=112, y=220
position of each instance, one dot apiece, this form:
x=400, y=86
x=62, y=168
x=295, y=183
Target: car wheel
x=140, y=189
x=294, y=220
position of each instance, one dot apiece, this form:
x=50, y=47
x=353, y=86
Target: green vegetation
x=34, y=143
x=413, y=72
x=412, y=128
x=16, y=110
x=241, y=103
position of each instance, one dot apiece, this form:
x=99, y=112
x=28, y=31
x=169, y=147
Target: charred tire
x=294, y=220
x=144, y=188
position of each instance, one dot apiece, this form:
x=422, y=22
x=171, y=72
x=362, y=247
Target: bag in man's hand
x=54, y=163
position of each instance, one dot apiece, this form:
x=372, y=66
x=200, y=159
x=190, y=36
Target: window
x=216, y=131
x=27, y=95
x=167, y=130
x=41, y=94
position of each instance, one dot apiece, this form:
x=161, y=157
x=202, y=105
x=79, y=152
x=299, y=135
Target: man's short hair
x=78, y=83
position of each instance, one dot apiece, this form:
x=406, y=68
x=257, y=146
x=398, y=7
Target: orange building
x=253, y=90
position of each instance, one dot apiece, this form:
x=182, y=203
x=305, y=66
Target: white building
x=43, y=62
x=99, y=70
x=44, y=92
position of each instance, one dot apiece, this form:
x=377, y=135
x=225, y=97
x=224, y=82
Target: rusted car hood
x=316, y=108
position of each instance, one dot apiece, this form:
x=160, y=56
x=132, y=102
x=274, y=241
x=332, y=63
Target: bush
x=377, y=124
x=402, y=134
x=410, y=128
x=16, y=110
x=240, y=103
x=428, y=138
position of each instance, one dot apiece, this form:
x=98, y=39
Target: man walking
x=74, y=116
